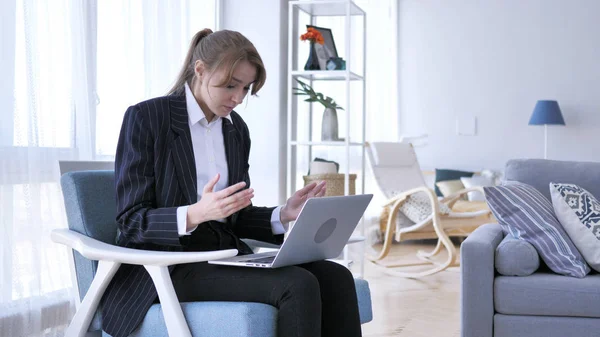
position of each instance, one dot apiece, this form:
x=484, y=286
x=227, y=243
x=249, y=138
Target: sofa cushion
x=547, y=294
x=477, y=181
x=449, y=187
x=446, y=174
x=516, y=257
x=540, y=172
x=545, y=326
x=579, y=213
x=527, y=214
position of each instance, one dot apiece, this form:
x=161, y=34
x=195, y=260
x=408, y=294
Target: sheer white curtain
x=45, y=119
x=141, y=47
x=52, y=51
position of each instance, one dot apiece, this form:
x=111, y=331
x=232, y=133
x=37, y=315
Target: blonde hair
x=223, y=49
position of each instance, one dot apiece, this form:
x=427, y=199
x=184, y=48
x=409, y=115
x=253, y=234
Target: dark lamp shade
x=546, y=112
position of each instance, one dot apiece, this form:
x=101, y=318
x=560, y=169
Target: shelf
x=332, y=143
x=327, y=7
x=300, y=144
x=327, y=75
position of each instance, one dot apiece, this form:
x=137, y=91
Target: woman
x=182, y=185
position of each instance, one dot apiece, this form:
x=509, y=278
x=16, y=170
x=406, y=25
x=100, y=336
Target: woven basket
x=335, y=182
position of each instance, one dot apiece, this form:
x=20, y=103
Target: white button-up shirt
x=209, y=154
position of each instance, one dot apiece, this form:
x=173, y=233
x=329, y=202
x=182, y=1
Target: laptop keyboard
x=267, y=259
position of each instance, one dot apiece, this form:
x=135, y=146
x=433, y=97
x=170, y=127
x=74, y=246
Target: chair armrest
x=97, y=250
x=477, y=280
x=452, y=198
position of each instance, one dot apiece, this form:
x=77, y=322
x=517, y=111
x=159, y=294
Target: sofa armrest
x=477, y=280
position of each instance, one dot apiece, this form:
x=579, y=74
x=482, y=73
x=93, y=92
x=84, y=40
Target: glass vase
x=329, y=125
x=313, y=62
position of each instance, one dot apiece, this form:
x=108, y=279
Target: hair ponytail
x=187, y=70
x=223, y=49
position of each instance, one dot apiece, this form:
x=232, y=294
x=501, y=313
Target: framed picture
x=327, y=50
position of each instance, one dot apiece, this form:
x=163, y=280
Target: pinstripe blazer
x=155, y=173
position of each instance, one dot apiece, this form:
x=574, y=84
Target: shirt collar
x=195, y=113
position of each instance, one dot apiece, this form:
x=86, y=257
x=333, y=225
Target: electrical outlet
x=466, y=126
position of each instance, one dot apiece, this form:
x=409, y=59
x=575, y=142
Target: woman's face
x=220, y=100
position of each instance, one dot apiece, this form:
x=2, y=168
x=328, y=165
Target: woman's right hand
x=218, y=205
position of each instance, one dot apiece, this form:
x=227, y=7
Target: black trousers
x=314, y=299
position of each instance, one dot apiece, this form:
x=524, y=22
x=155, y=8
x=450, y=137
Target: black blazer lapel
x=234, y=153
x=182, y=151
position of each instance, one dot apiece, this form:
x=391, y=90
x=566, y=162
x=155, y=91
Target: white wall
x=493, y=60
x=261, y=22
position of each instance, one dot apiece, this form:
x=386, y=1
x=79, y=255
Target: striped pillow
x=527, y=214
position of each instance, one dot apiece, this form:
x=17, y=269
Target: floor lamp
x=546, y=113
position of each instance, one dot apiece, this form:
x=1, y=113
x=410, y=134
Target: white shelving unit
x=347, y=11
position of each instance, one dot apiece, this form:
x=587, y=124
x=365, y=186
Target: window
x=73, y=69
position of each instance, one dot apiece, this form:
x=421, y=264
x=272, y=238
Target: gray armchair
x=543, y=304
x=90, y=205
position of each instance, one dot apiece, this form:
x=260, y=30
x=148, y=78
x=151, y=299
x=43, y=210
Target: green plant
x=313, y=96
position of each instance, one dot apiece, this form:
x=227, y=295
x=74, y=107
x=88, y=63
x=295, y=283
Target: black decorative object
x=329, y=43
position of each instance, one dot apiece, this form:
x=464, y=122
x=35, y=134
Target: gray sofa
x=543, y=304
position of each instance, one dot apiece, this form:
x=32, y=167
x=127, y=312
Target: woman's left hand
x=294, y=204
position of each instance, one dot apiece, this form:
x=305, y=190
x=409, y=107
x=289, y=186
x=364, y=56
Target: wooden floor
x=426, y=307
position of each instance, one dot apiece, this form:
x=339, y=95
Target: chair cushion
x=90, y=203
x=579, y=213
x=363, y=292
x=218, y=319
x=547, y=294
x=234, y=319
x=91, y=207
x=527, y=214
x=417, y=207
x=516, y=257
x=445, y=174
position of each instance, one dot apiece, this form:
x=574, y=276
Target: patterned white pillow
x=417, y=207
x=579, y=213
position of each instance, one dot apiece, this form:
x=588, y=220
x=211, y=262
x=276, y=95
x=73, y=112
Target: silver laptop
x=321, y=231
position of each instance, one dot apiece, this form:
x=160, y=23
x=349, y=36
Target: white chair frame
x=109, y=259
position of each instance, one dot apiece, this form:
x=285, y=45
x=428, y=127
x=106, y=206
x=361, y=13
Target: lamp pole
x=545, y=141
